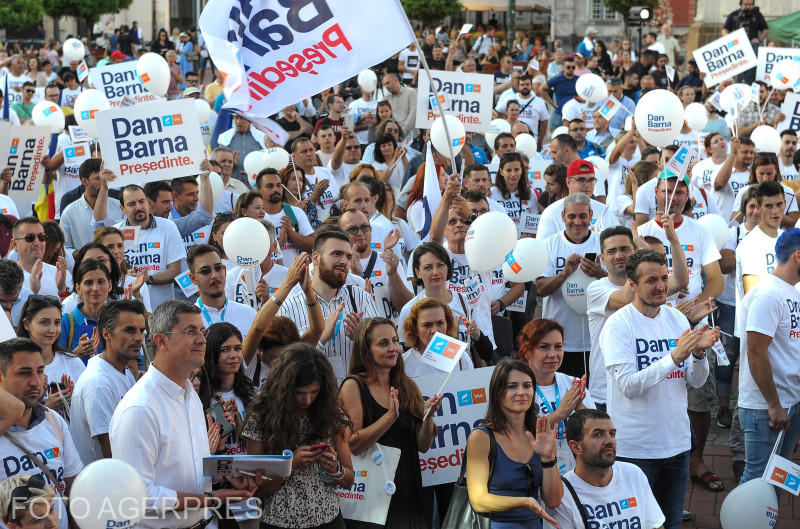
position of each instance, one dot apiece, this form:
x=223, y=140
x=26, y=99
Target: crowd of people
x=316, y=349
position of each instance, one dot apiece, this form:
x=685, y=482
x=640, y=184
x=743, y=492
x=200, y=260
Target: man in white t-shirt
x=650, y=355
x=788, y=148
x=408, y=63
x=15, y=77
x=292, y=228
x=346, y=156
x=40, y=430
x=159, y=249
x=107, y=378
x=733, y=175
x=610, y=493
x=704, y=173
x=42, y=278
x=574, y=247
x=533, y=111
x=580, y=180
x=769, y=381
x=323, y=191
x=364, y=112
x=325, y=137
x=476, y=178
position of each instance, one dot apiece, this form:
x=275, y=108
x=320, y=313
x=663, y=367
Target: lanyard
x=205, y=312
x=561, y=433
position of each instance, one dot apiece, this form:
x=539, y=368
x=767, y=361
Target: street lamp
x=638, y=16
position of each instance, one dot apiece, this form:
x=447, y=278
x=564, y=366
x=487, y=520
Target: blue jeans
x=667, y=478
x=759, y=439
x=726, y=316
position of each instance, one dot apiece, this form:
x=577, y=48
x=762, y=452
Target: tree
x=86, y=11
x=429, y=11
x=622, y=7
x=20, y=13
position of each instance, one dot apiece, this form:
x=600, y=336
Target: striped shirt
x=339, y=348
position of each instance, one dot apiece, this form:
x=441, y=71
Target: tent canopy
x=502, y=5
x=785, y=28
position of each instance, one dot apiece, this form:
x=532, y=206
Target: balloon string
x=441, y=112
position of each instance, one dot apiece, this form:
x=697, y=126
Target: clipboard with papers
x=227, y=465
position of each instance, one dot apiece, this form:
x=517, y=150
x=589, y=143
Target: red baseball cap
x=580, y=167
x=118, y=55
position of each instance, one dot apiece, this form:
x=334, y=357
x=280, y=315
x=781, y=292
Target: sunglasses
x=30, y=237
x=24, y=493
x=208, y=270
x=364, y=228
x=30, y=91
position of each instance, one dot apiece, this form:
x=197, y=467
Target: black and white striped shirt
x=339, y=348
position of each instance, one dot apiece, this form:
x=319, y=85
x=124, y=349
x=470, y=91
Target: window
x=597, y=10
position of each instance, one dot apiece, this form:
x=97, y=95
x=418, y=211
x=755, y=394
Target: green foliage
x=431, y=10
x=88, y=10
x=622, y=6
x=20, y=13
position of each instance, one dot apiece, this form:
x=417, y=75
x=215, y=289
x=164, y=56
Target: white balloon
x=217, y=186
x=107, y=493
x=659, y=117
x=253, y=163
x=751, y=505
x=696, y=116
x=558, y=131
x=153, y=70
x=47, y=114
x=87, y=105
x=767, y=139
x=735, y=97
x=717, y=227
x=367, y=80
x=591, y=88
x=784, y=74
x=526, y=261
x=574, y=290
x=489, y=240
x=203, y=110
x=439, y=138
x=600, y=167
x=526, y=144
x=246, y=242
x=276, y=158
x=73, y=50
x=496, y=127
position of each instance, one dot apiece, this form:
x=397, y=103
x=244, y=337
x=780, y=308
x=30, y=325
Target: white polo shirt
x=239, y=315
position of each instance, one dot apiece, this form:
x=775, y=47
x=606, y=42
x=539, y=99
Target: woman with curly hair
x=386, y=407
x=308, y=415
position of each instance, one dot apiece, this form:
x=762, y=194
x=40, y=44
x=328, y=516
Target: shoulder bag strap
x=352, y=297
x=71, y=330
x=36, y=460
x=577, y=501
x=521, y=110
x=368, y=270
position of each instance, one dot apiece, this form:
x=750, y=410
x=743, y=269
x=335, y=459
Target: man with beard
x=32, y=425
x=533, y=111
x=332, y=256
x=598, y=478
x=384, y=271
x=291, y=224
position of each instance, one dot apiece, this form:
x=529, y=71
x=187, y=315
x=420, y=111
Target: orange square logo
x=156, y=245
x=515, y=267
x=145, y=77
x=80, y=150
x=632, y=502
x=450, y=350
x=779, y=475
x=177, y=119
x=478, y=396
x=128, y=234
x=476, y=88
x=15, y=142
x=736, y=42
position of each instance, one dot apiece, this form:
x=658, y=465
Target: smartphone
x=591, y=256
x=349, y=121
x=217, y=413
x=320, y=447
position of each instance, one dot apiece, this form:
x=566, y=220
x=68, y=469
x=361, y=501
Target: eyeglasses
x=208, y=270
x=192, y=81
x=583, y=181
x=24, y=493
x=191, y=332
x=30, y=237
x=569, y=67
x=364, y=228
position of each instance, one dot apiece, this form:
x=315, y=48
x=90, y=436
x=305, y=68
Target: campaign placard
x=119, y=80
x=725, y=57
x=77, y=134
x=768, y=57
x=783, y=473
x=152, y=141
x=23, y=150
x=443, y=352
x=791, y=109
x=76, y=154
x=464, y=403
x=467, y=96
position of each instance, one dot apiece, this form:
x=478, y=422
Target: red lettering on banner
x=262, y=83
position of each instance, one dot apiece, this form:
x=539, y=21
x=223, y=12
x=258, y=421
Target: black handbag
x=460, y=514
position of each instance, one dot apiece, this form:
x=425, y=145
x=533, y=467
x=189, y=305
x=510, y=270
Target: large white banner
x=464, y=403
x=273, y=54
x=725, y=57
x=153, y=141
x=767, y=57
x=791, y=109
x=22, y=151
x=467, y=96
x=119, y=80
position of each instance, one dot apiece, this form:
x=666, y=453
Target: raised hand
x=330, y=323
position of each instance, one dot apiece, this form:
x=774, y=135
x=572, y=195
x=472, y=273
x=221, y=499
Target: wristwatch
x=502, y=305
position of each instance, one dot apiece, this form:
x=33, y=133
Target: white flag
x=273, y=54
x=783, y=473
x=431, y=194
